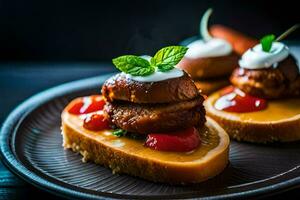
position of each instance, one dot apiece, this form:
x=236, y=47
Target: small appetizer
x=209, y=61
x=149, y=122
x=263, y=105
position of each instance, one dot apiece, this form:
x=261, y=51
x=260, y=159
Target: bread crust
x=266, y=132
x=146, y=167
x=119, y=87
x=211, y=67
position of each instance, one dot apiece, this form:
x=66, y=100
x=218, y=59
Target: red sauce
x=87, y=105
x=95, y=122
x=181, y=141
x=235, y=100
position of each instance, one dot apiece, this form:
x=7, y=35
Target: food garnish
x=204, y=33
x=164, y=60
x=119, y=132
x=267, y=40
x=96, y=122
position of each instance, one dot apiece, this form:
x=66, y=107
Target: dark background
x=95, y=30
x=44, y=43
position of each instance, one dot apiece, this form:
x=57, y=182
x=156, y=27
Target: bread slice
x=127, y=155
x=209, y=86
x=280, y=121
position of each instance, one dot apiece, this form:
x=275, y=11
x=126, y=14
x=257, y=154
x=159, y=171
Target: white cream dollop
x=157, y=76
x=256, y=58
x=214, y=47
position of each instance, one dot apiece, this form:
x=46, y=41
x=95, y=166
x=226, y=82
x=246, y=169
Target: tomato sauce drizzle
x=87, y=105
x=93, y=121
x=234, y=100
x=180, y=141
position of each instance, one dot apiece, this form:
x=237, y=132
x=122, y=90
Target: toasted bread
x=280, y=121
x=127, y=155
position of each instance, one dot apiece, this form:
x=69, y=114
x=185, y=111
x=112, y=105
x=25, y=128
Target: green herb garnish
x=266, y=42
x=164, y=60
x=119, y=132
x=133, y=65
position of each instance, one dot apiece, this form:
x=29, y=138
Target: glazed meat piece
x=210, y=67
x=147, y=118
x=120, y=87
x=283, y=81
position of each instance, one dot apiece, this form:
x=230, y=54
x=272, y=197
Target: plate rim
x=14, y=119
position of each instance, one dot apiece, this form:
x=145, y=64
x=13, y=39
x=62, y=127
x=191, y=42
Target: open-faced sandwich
x=209, y=60
x=263, y=105
x=149, y=122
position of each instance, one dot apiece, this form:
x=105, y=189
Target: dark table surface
x=19, y=81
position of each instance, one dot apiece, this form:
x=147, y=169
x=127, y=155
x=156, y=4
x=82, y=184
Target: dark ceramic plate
x=31, y=147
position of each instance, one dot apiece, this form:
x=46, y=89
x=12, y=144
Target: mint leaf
x=133, y=65
x=119, y=132
x=266, y=42
x=166, y=58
